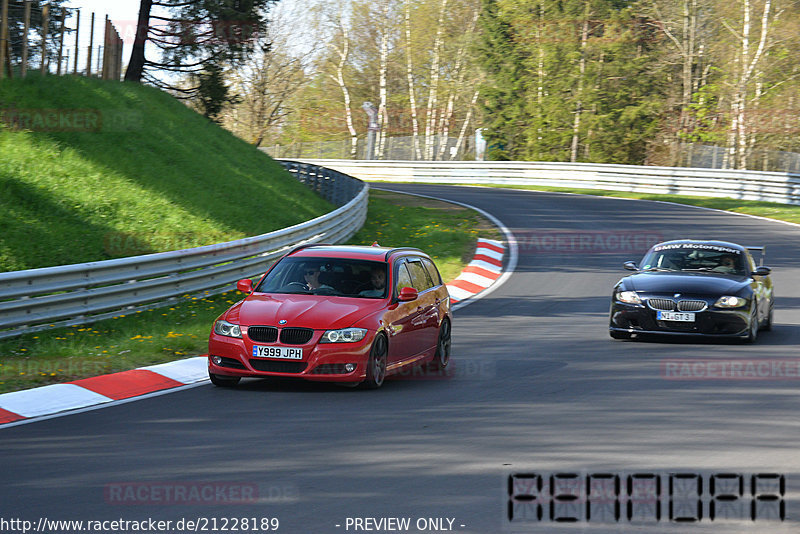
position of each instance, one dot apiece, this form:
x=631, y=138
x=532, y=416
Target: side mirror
x=761, y=270
x=630, y=265
x=407, y=294
x=245, y=286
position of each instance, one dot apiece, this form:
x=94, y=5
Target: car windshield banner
x=701, y=246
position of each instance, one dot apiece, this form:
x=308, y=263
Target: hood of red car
x=304, y=311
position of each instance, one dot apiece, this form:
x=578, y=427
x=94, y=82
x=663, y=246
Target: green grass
x=446, y=231
x=154, y=176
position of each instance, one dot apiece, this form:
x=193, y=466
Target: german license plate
x=676, y=316
x=283, y=353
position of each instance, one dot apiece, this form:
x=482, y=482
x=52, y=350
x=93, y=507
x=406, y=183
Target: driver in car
x=311, y=275
x=727, y=264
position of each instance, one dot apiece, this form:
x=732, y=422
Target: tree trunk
x=464, y=126
x=344, y=52
x=540, y=76
x=430, y=120
x=689, y=36
x=411, y=90
x=136, y=64
x=738, y=134
x=576, y=125
x=383, y=116
x=456, y=89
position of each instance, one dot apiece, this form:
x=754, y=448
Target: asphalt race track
x=538, y=389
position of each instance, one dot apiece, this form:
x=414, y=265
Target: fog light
x=216, y=359
x=349, y=367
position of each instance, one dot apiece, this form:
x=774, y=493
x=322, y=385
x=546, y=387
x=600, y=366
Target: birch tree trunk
x=741, y=91
x=411, y=91
x=343, y=52
x=456, y=89
x=738, y=134
x=465, y=125
x=383, y=116
x=430, y=119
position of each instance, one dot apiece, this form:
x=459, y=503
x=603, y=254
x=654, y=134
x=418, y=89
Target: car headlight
x=729, y=301
x=628, y=297
x=345, y=335
x=224, y=328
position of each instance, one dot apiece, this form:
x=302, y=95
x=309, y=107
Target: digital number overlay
x=644, y=497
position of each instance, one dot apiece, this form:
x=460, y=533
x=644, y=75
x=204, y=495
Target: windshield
x=694, y=257
x=327, y=276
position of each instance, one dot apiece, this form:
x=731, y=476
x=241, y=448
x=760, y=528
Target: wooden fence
x=57, y=52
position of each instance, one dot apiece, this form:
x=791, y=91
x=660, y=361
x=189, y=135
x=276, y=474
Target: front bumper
x=321, y=362
x=713, y=322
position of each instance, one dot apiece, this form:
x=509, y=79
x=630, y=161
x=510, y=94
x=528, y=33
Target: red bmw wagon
x=337, y=313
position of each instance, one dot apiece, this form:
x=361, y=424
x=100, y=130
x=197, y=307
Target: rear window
x=432, y=271
x=419, y=276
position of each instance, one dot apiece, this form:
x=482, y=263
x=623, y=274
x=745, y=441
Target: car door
x=427, y=304
x=402, y=318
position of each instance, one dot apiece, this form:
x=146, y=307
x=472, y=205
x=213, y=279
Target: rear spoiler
x=762, y=251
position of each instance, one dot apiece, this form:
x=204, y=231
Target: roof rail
x=307, y=245
x=399, y=249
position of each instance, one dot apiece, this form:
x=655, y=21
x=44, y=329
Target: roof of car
x=356, y=252
x=710, y=243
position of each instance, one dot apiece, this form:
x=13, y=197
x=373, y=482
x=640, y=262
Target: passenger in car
x=378, y=280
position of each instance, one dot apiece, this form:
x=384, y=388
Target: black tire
x=224, y=381
x=619, y=335
x=752, y=333
x=768, y=325
x=443, y=345
x=376, y=365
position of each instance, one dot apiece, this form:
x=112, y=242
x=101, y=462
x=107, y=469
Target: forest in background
x=606, y=81
x=657, y=82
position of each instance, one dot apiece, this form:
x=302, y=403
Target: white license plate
x=676, y=316
x=283, y=353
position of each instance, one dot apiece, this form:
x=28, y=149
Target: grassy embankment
x=155, y=176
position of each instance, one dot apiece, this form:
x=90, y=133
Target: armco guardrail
x=67, y=295
x=746, y=185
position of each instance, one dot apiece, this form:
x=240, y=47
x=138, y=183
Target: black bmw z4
x=690, y=287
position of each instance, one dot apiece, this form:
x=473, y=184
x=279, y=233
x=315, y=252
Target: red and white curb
x=483, y=271
x=47, y=400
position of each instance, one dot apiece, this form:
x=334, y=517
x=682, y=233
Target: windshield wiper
x=659, y=269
